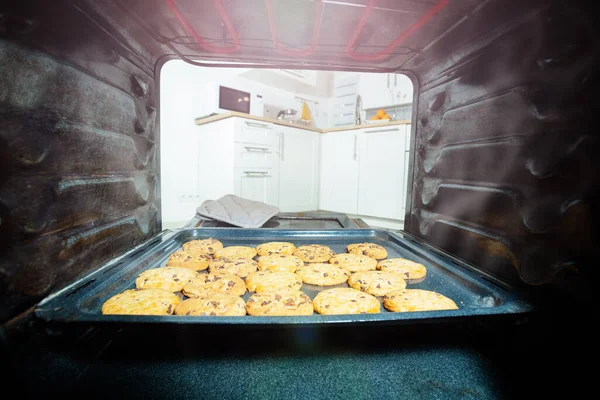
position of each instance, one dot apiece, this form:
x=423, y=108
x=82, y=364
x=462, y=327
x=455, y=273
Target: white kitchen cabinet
x=381, y=180
x=384, y=90
x=339, y=172
x=298, y=169
x=375, y=90
x=305, y=76
x=345, y=91
x=256, y=184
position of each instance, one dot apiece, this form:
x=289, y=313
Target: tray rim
x=514, y=302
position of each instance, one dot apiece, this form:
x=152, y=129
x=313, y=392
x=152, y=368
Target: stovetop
x=300, y=220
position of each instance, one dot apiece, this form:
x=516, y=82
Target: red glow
x=191, y=31
x=315, y=38
x=376, y=56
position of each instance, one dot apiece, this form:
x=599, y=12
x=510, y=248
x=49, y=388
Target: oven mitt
x=237, y=211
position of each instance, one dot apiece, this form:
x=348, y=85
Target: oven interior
x=503, y=152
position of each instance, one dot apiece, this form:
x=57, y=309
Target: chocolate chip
x=354, y=301
x=231, y=283
x=188, y=313
x=406, y=274
x=311, y=257
x=210, y=249
x=213, y=303
x=277, y=297
x=336, y=262
x=289, y=302
x=264, y=303
x=378, y=286
x=251, y=300
x=217, y=278
x=389, y=283
x=212, y=313
x=362, y=297
x=170, y=308
x=176, y=279
x=325, y=274
x=326, y=305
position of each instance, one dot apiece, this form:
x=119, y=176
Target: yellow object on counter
x=305, y=112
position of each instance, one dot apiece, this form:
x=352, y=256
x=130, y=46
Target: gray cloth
x=238, y=211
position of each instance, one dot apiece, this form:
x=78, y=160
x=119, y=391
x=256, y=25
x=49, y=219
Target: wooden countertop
x=208, y=120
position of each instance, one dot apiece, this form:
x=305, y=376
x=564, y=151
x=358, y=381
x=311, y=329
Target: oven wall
x=78, y=144
x=505, y=163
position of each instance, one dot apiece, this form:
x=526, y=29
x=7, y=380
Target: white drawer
x=254, y=155
x=248, y=131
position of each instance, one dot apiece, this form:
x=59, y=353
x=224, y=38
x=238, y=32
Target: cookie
x=167, y=278
x=417, y=300
x=267, y=281
x=194, y=261
x=376, y=283
x=345, y=301
x=283, y=302
x=314, y=253
x=353, y=262
x=411, y=271
x=322, y=274
x=203, y=246
x=279, y=262
x=368, y=249
x=236, y=266
x=226, y=283
x=142, y=302
x=236, y=252
x=213, y=303
x=266, y=249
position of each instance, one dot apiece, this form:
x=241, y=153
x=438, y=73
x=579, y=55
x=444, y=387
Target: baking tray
x=475, y=293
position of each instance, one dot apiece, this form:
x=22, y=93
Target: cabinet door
x=298, y=170
x=403, y=89
x=345, y=91
x=339, y=172
x=381, y=172
x=257, y=184
x=375, y=90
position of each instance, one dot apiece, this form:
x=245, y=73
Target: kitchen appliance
x=289, y=114
x=504, y=173
x=234, y=100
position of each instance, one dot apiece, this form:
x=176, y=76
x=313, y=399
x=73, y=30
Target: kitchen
x=299, y=140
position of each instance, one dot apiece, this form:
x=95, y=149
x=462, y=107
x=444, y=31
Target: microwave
x=225, y=98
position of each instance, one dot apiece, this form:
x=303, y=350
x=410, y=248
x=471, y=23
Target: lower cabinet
x=257, y=184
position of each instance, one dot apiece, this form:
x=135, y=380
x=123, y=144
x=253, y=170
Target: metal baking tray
x=475, y=293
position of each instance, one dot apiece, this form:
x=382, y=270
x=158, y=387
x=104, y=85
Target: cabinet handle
x=388, y=81
x=355, y=146
x=260, y=149
x=382, y=130
x=281, y=146
x=257, y=124
x=261, y=173
x=396, y=80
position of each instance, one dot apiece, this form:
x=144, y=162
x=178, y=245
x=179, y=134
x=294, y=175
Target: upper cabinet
x=384, y=90
x=304, y=76
x=345, y=90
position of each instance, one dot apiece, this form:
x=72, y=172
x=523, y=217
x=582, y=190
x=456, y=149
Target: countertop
x=208, y=120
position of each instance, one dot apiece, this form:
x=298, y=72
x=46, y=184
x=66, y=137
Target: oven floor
x=491, y=361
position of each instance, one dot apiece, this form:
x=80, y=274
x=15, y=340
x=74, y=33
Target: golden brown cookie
x=353, y=262
x=226, y=283
x=203, y=246
x=167, y=278
x=368, y=249
x=142, y=302
x=322, y=274
x=283, y=302
x=417, y=300
x=314, y=253
x=279, y=262
x=345, y=301
x=266, y=249
x=236, y=266
x=213, y=303
x=267, y=281
x=376, y=283
x=183, y=259
x=411, y=271
x=236, y=252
